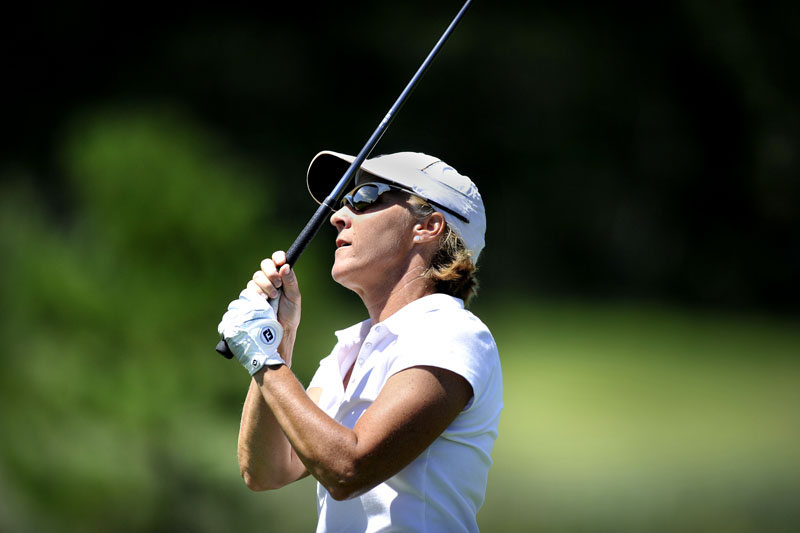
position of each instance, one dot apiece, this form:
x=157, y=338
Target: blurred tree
x=108, y=393
x=624, y=150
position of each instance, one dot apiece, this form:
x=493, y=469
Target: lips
x=341, y=243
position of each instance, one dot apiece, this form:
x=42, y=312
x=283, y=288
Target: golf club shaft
x=332, y=201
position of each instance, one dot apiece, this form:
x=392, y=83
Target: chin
x=340, y=275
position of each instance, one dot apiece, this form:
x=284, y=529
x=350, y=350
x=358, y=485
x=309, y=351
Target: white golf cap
x=429, y=177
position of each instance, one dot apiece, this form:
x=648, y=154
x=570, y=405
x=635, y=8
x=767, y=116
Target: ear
x=429, y=229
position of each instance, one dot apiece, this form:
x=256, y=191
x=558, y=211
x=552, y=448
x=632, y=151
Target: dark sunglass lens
x=362, y=197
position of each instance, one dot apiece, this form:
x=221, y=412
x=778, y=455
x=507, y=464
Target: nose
x=342, y=218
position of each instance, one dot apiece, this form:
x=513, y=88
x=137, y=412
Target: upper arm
x=414, y=407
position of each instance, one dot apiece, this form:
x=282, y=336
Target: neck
x=390, y=298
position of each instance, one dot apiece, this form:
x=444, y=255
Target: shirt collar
x=432, y=302
x=426, y=304
x=354, y=334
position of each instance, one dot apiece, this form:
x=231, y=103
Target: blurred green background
x=639, y=166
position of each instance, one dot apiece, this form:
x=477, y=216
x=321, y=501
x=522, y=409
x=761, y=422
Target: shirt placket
x=371, y=341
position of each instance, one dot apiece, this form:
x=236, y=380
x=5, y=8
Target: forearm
x=328, y=449
x=414, y=408
x=266, y=458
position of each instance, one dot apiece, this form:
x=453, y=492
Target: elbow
x=261, y=475
x=348, y=485
x=259, y=483
x=254, y=483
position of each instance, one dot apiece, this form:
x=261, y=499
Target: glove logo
x=268, y=335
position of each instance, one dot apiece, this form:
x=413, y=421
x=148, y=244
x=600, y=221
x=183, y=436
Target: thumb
x=291, y=290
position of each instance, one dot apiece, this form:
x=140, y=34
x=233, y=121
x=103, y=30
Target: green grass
x=616, y=418
x=626, y=418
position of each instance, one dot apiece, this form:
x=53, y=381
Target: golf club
x=330, y=203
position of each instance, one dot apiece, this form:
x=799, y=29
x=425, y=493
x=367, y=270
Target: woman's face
x=373, y=248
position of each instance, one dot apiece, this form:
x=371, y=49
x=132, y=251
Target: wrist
x=286, y=346
x=268, y=373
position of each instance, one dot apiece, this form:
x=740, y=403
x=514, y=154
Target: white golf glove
x=252, y=331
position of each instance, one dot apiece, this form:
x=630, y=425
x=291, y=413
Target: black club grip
x=320, y=216
x=222, y=348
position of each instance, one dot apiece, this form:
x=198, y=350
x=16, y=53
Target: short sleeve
x=456, y=341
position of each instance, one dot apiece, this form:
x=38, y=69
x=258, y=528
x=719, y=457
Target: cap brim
x=324, y=173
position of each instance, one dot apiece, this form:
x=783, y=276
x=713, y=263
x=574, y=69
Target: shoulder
x=450, y=337
x=443, y=322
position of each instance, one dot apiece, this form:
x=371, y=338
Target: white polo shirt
x=443, y=488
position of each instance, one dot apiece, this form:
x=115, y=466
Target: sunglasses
x=366, y=194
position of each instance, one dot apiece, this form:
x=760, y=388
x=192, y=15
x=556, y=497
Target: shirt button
x=360, y=361
x=367, y=345
x=377, y=329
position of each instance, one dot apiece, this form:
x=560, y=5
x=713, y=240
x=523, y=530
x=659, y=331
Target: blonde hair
x=451, y=270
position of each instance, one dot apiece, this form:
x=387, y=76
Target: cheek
x=391, y=236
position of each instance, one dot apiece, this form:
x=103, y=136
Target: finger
x=291, y=289
x=279, y=258
x=265, y=284
x=252, y=285
x=270, y=270
x=268, y=266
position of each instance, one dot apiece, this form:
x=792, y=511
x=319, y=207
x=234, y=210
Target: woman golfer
x=399, y=421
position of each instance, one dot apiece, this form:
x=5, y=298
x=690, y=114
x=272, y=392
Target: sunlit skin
x=284, y=435
x=378, y=258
